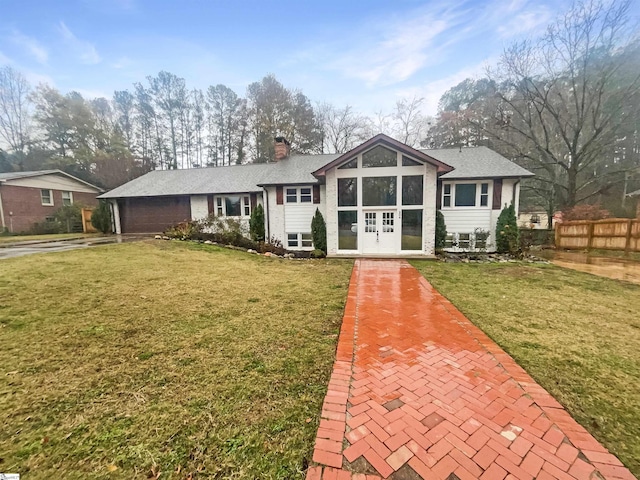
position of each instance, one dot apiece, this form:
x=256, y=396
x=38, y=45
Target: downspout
x=267, y=235
x=2, y=214
x=513, y=200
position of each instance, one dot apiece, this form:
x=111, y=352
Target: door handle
x=377, y=236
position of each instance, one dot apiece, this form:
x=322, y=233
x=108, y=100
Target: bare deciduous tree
x=14, y=109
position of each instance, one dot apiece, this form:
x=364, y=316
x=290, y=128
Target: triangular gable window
x=409, y=162
x=353, y=163
x=379, y=157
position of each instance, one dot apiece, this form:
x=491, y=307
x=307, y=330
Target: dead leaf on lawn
x=112, y=468
x=308, y=420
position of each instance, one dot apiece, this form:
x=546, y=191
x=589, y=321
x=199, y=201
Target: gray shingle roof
x=36, y=173
x=14, y=175
x=233, y=179
x=476, y=162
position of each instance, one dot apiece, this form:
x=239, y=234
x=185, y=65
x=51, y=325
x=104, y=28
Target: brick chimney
x=282, y=148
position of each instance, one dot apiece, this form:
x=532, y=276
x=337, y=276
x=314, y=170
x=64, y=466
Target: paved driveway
x=27, y=248
x=417, y=391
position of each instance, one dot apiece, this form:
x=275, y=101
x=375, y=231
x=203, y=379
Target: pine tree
x=101, y=218
x=319, y=232
x=441, y=230
x=256, y=224
x=507, y=231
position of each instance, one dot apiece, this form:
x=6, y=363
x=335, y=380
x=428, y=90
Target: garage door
x=153, y=214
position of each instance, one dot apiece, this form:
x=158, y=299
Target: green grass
x=576, y=334
x=133, y=360
x=47, y=237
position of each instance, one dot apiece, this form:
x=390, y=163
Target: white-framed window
x=233, y=206
x=465, y=194
x=46, y=197
x=299, y=239
x=305, y=195
x=299, y=194
x=67, y=198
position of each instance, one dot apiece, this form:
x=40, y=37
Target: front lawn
x=49, y=237
x=164, y=360
x=576, y=334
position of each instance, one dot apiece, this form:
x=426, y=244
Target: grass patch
x=126, y=361
x=576, y=334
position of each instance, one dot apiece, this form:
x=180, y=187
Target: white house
x=379, y=199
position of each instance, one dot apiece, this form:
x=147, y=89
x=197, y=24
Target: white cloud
x=525, y=22
x=31, y=46
x=405, y=44
x=85, y=51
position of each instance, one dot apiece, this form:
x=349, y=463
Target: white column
x=116, y=216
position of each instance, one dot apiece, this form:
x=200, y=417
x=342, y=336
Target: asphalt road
x=28, y=248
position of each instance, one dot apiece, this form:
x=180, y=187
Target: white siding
x=276, y=217
x=429, y=214
x=54, y=182
x=297, y=218
x=466, y=220
x=199, y=207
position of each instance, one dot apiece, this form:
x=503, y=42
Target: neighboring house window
x=46, y=197
x=67, y=198
x=535, y=218
x=465, y=195
x=292, y=195
x=219, y=210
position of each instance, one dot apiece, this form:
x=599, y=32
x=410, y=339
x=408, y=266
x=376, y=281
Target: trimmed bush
x=256, y=224
x=441, y=231
x=319, y=232
x=507, y=231
x=101, y=218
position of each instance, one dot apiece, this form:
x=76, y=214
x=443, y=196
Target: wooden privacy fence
x=609, y=234
x=87, y=226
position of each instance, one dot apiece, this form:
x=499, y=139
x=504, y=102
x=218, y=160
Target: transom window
x=465, y=195
x=353, y=163
x=410, y=162
x=299, y=195
x=46, y=197
x=67, y=198
x=379, y=157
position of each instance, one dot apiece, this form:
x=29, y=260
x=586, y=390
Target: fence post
x=627, y=245
x=590, y=235
x=558, y=234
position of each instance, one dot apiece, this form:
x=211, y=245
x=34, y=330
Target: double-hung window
x=46, y=197
x=67, y=198
x=465, y=195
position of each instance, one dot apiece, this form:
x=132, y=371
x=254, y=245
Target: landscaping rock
x=268, y=254
x=158, y=237
x=208, y=242
x=251, y=250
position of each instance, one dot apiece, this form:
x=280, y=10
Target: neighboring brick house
x=378, y=199
x=27, y=198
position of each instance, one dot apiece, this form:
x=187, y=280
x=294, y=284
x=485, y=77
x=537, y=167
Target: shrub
x=70, y=218
x=441, y=230
x=256, y=224
x=507, y=231
x=101, y=218
x=585, y=212
x=319, y=232
x=184, y=230
x=318, y=254
x=47, y=227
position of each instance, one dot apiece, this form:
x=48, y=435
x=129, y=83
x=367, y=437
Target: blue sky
x=366, y=53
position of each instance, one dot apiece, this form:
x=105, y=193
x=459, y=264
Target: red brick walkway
x=417, y=391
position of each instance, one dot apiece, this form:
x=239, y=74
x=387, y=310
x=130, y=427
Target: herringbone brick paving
x=417, y=391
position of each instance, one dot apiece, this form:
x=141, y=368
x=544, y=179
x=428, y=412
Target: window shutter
x=316, y=194
x=254, y=200
x=439, y=196
x=210, y=207
x=497, y=194
x=279, y=198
